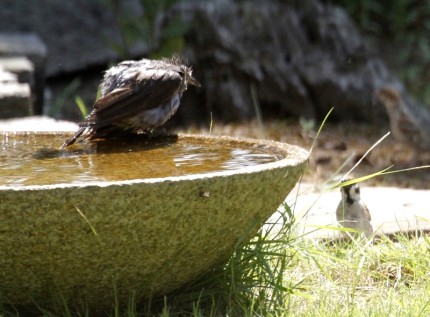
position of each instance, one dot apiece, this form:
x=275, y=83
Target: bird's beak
x=192, y=81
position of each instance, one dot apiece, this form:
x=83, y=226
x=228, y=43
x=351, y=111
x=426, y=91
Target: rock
x=31, y=46
x=7, y=77
x=14, y=96
x=77, y=33
x=14, y=100
x=288, y=58
x=21, y=66
x=297, y=59
x=37, y=123
x=66, y=37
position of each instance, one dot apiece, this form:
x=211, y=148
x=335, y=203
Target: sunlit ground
x=338, y=148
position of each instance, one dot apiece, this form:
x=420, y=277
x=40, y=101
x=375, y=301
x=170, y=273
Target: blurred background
x=275, y=67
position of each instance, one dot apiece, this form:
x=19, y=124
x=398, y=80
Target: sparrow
x=136, y=96
x=408, y=124
x=353, y=213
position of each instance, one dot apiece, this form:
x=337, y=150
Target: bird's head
x=187, y=74
x=185, y=71
x=350, y=193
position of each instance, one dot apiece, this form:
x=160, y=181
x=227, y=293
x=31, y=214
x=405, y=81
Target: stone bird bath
x=90, y=223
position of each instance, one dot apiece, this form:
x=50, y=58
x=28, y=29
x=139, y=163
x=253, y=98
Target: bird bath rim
x=157, y=234
x=291, y=155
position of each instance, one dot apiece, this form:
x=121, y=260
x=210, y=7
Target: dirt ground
x=338, y=148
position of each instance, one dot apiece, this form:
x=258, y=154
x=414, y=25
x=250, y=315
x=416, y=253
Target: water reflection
x=36, y=160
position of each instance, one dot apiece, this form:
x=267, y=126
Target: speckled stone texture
x=149, y=236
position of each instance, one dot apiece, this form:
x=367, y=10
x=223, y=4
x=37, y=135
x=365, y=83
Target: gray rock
x=77, y=33
x=300, y=59
x=287, y=57
x=37, y=123
x=7, y=77
x=20, y=66
x=31, y=46
x=65, y=36
x=14, y=96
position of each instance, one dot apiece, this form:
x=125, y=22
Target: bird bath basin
x=97, y=221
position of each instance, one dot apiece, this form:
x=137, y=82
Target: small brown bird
x=136, y=96
x=353, y=213
x=409, y=124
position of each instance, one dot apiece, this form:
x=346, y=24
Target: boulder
x=25, y=55
x=14, y=96
x=288, y=58
x=78, y=34
x=285, y=58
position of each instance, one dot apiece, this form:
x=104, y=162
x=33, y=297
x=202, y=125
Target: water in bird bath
x=34, y=159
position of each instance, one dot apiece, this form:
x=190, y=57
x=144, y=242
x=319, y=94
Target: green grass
x=386, y=279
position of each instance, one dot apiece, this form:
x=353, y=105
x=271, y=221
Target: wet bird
x=136, y=96
x=408, y=123
x=353, y=213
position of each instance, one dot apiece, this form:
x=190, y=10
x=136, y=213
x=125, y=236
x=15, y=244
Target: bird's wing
x=149, y=91
x=367, y=212
x=340, y=211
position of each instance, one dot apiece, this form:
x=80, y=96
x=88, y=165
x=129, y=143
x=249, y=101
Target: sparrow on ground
x=353, y=213
x=136, y=96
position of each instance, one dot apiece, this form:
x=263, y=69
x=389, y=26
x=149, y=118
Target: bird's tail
x=74, y=137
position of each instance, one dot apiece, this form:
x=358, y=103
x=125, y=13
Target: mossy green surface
x=94, y=243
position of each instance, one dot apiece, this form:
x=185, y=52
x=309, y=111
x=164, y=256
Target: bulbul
x=136, y=96
x=353, y=213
